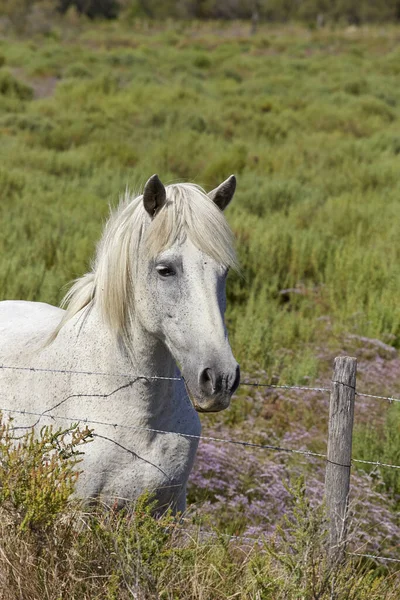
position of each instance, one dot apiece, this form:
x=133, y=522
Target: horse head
x=180, y=285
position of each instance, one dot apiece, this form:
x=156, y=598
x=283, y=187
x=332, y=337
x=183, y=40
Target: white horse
x=155, y=299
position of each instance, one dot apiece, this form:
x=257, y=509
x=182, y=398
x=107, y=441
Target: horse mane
x=188, y=212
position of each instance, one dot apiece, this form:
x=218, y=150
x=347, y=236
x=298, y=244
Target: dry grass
x=51, y=548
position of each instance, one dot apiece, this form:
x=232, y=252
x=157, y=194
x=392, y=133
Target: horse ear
x=223, y=194
x=154, y=195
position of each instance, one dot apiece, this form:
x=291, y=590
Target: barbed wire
x=206, y=438
x=162, y=431
x=254, y=540
x=155, y=377
x=260, y=540
x=286, y=387
x=375, y=463
x=193, y=436
x=375, y=557
x=242, y=443
x=390, y=399
x=164, y=378
x=102, y=373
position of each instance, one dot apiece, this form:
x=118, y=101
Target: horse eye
x=164, y=271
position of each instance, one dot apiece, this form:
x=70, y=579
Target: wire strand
x=375, y=556
x=202, y=437
x=258, y=540
x=388, y=398
x=102, y=373
x=163, y=378
x=193, y=436
x=162, y=431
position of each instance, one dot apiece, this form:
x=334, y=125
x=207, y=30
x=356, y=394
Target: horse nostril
x=207, y=381
x=237, y=380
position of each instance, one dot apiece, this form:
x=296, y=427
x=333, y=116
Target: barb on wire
x=388, y=398
x=218, y=534
x=375, y=463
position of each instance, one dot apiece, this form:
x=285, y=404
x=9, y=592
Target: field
x=309, y=121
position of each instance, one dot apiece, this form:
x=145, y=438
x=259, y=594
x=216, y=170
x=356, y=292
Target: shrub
x=52, y=547
x=13, y=88
x=78, y=70
x=38, y=474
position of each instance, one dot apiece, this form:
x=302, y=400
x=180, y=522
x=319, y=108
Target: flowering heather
x=245, y=490
x=234, y=484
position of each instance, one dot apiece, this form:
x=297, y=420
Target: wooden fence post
x=340, y=437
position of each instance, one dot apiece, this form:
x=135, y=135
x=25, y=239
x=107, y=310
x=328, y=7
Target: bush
x=38, y=474
x=78, y=70
x=51, y=548
x=13, y=88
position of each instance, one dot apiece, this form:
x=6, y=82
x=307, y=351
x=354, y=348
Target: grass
x=309, y=121
x=316, y=157
x=52, y=548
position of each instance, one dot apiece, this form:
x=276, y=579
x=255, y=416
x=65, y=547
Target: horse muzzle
x=213, y=389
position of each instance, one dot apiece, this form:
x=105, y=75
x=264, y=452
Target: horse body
x=121, y=463
x=139, y=312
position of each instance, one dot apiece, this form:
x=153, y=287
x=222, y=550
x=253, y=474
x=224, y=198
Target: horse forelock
x=188, y=212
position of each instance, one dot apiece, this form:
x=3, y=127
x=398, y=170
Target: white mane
x=188, y=212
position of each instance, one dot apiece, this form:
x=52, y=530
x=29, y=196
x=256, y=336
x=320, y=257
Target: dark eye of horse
x=165, y=271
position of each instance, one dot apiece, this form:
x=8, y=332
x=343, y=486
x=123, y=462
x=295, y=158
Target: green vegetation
x=38, y=475
x=313, y=12
x=67, y=552
x=385, y=443
x=309, y=121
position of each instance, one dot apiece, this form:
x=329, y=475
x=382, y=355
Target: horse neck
x=149, y=357
x=146, y=357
